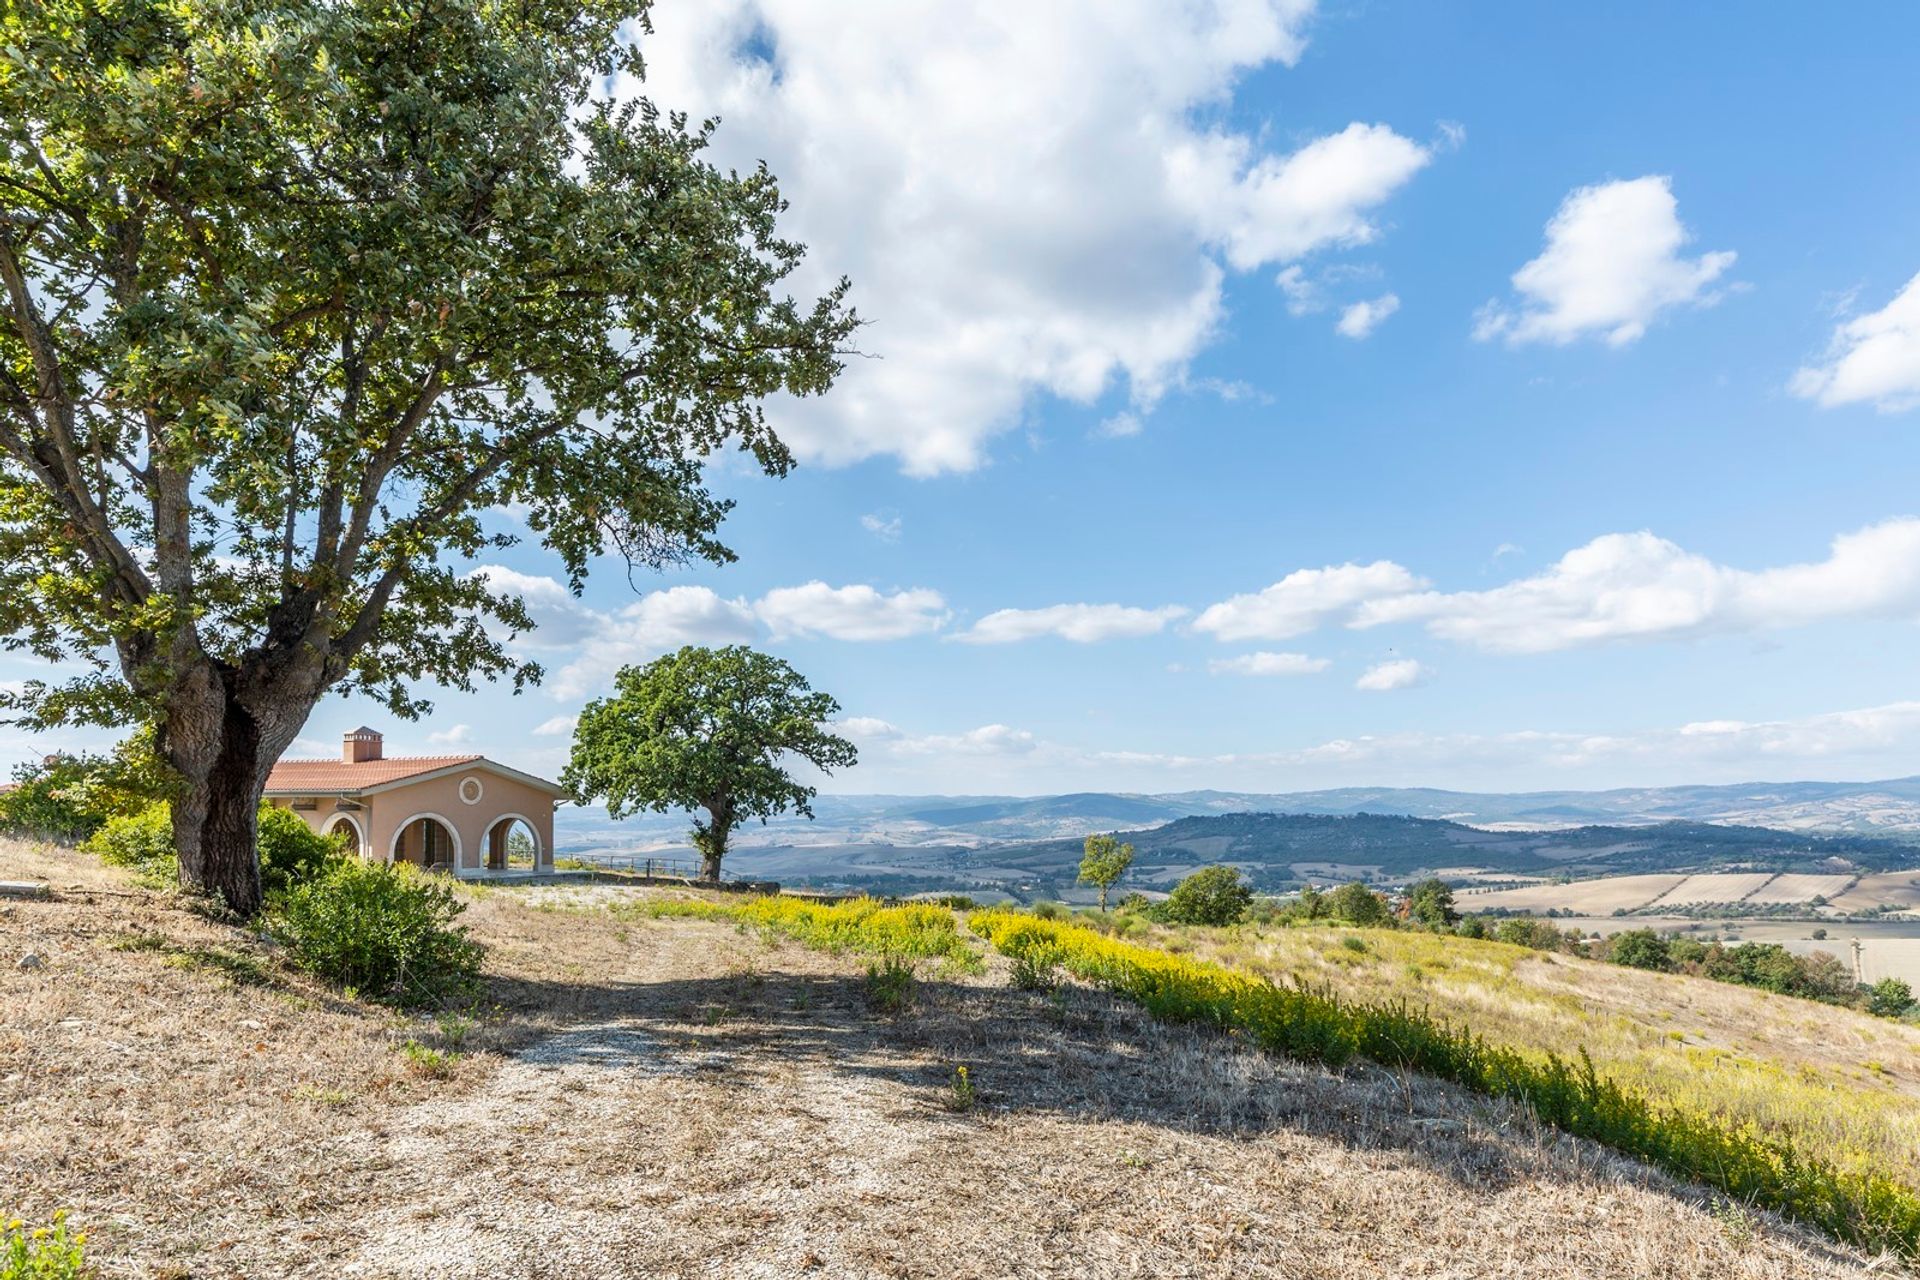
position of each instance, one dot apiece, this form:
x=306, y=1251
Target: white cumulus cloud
x=562, y=621
x=1384, y=677
x=1305, y=600
x=1362, y=318
x=1083, y=623
x=1268, y=664
x=659, y=622
x=1030, y=200
x=885, y=527
x=1637, y=585
x=1873, y=358
x=987, y=740
x=1267, y=208
x=1612, y=263
x=1868, y=741
x=850, y=613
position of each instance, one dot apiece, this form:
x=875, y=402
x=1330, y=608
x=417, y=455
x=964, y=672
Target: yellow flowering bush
x=863, y=925
x=1761, y=1168
x=42, y=1253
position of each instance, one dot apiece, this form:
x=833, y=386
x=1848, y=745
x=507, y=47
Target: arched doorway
x=512, y=844
x=346, y=828
x=426, y=840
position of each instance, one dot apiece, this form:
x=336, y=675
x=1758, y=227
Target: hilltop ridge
x=1888, y=807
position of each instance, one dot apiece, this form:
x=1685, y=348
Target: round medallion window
x=471, y=790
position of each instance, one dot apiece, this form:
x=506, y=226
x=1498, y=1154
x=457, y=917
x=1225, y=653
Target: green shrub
x=1641, y=949
x=69, y=797
x=428, y=1063
x=1357, y=904
x=890, y=984
x=385, y=931
x=1889, y=998
x=292, y=851
x=1522, y=931
x=1036, y=968
x=1211, y=895
x=963, y=1096
x=1430, y=903
x=42, y=1253
x=143, y=840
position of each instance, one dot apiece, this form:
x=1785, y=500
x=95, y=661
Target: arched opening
x=512, y=845
x=346, y=828
x=426, y=840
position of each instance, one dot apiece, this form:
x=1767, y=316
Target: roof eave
x=479, y=762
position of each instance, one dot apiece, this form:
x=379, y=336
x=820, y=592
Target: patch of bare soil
x=675, y=1098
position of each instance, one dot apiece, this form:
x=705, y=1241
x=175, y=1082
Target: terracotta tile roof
x=325, y=776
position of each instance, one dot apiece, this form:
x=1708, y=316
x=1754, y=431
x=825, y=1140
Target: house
x=465, y=814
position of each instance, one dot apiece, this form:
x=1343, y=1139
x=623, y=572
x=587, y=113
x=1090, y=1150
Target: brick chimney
x=360, y=745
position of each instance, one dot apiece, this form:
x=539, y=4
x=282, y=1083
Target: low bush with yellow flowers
x=1766, y=1169
x=42, y=1253
x=862, y=925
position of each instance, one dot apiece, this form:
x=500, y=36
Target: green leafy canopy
x=1104, y=860
x=713, y=729
x=291, y=294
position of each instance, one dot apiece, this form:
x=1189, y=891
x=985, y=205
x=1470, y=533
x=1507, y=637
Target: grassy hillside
x=717, y=1100
x=1846, y=1084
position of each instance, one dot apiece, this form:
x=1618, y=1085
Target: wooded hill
x=1281, y=848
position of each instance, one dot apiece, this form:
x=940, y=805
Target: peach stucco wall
x=383, y=816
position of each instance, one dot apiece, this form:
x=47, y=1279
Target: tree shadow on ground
x=1073, y=1051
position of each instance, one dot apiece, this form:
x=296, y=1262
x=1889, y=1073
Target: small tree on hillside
x=712, y=729
x=1357, y=904
x=1211, y=895
x=1103, y=863
x=1642, y=949
x=1430, y=903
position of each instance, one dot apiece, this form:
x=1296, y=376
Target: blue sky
x=1553, y=346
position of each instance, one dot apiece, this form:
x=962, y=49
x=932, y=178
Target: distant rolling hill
x=1888, y=808
x=1281, y=851
x=1287, y=847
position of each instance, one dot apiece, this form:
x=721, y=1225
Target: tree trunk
x=223, y=744
x=710, y=838
x=1103, y=898
x=712, y=843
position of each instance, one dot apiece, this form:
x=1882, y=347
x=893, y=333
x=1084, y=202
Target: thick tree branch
x=374, y=478
x=55, y=459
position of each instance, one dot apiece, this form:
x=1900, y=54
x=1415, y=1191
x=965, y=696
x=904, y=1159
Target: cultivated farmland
x=1713, y=889
x=1586, y=897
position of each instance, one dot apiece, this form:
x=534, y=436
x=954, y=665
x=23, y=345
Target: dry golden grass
x=1846, y=1084
x=1791, y=889
x=1717, y=887
x=680, y=1098
x=1899, y=889
x=1596, y=897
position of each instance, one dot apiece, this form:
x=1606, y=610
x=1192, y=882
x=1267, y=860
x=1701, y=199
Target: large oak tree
x=292, y=292
x=712, y=729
